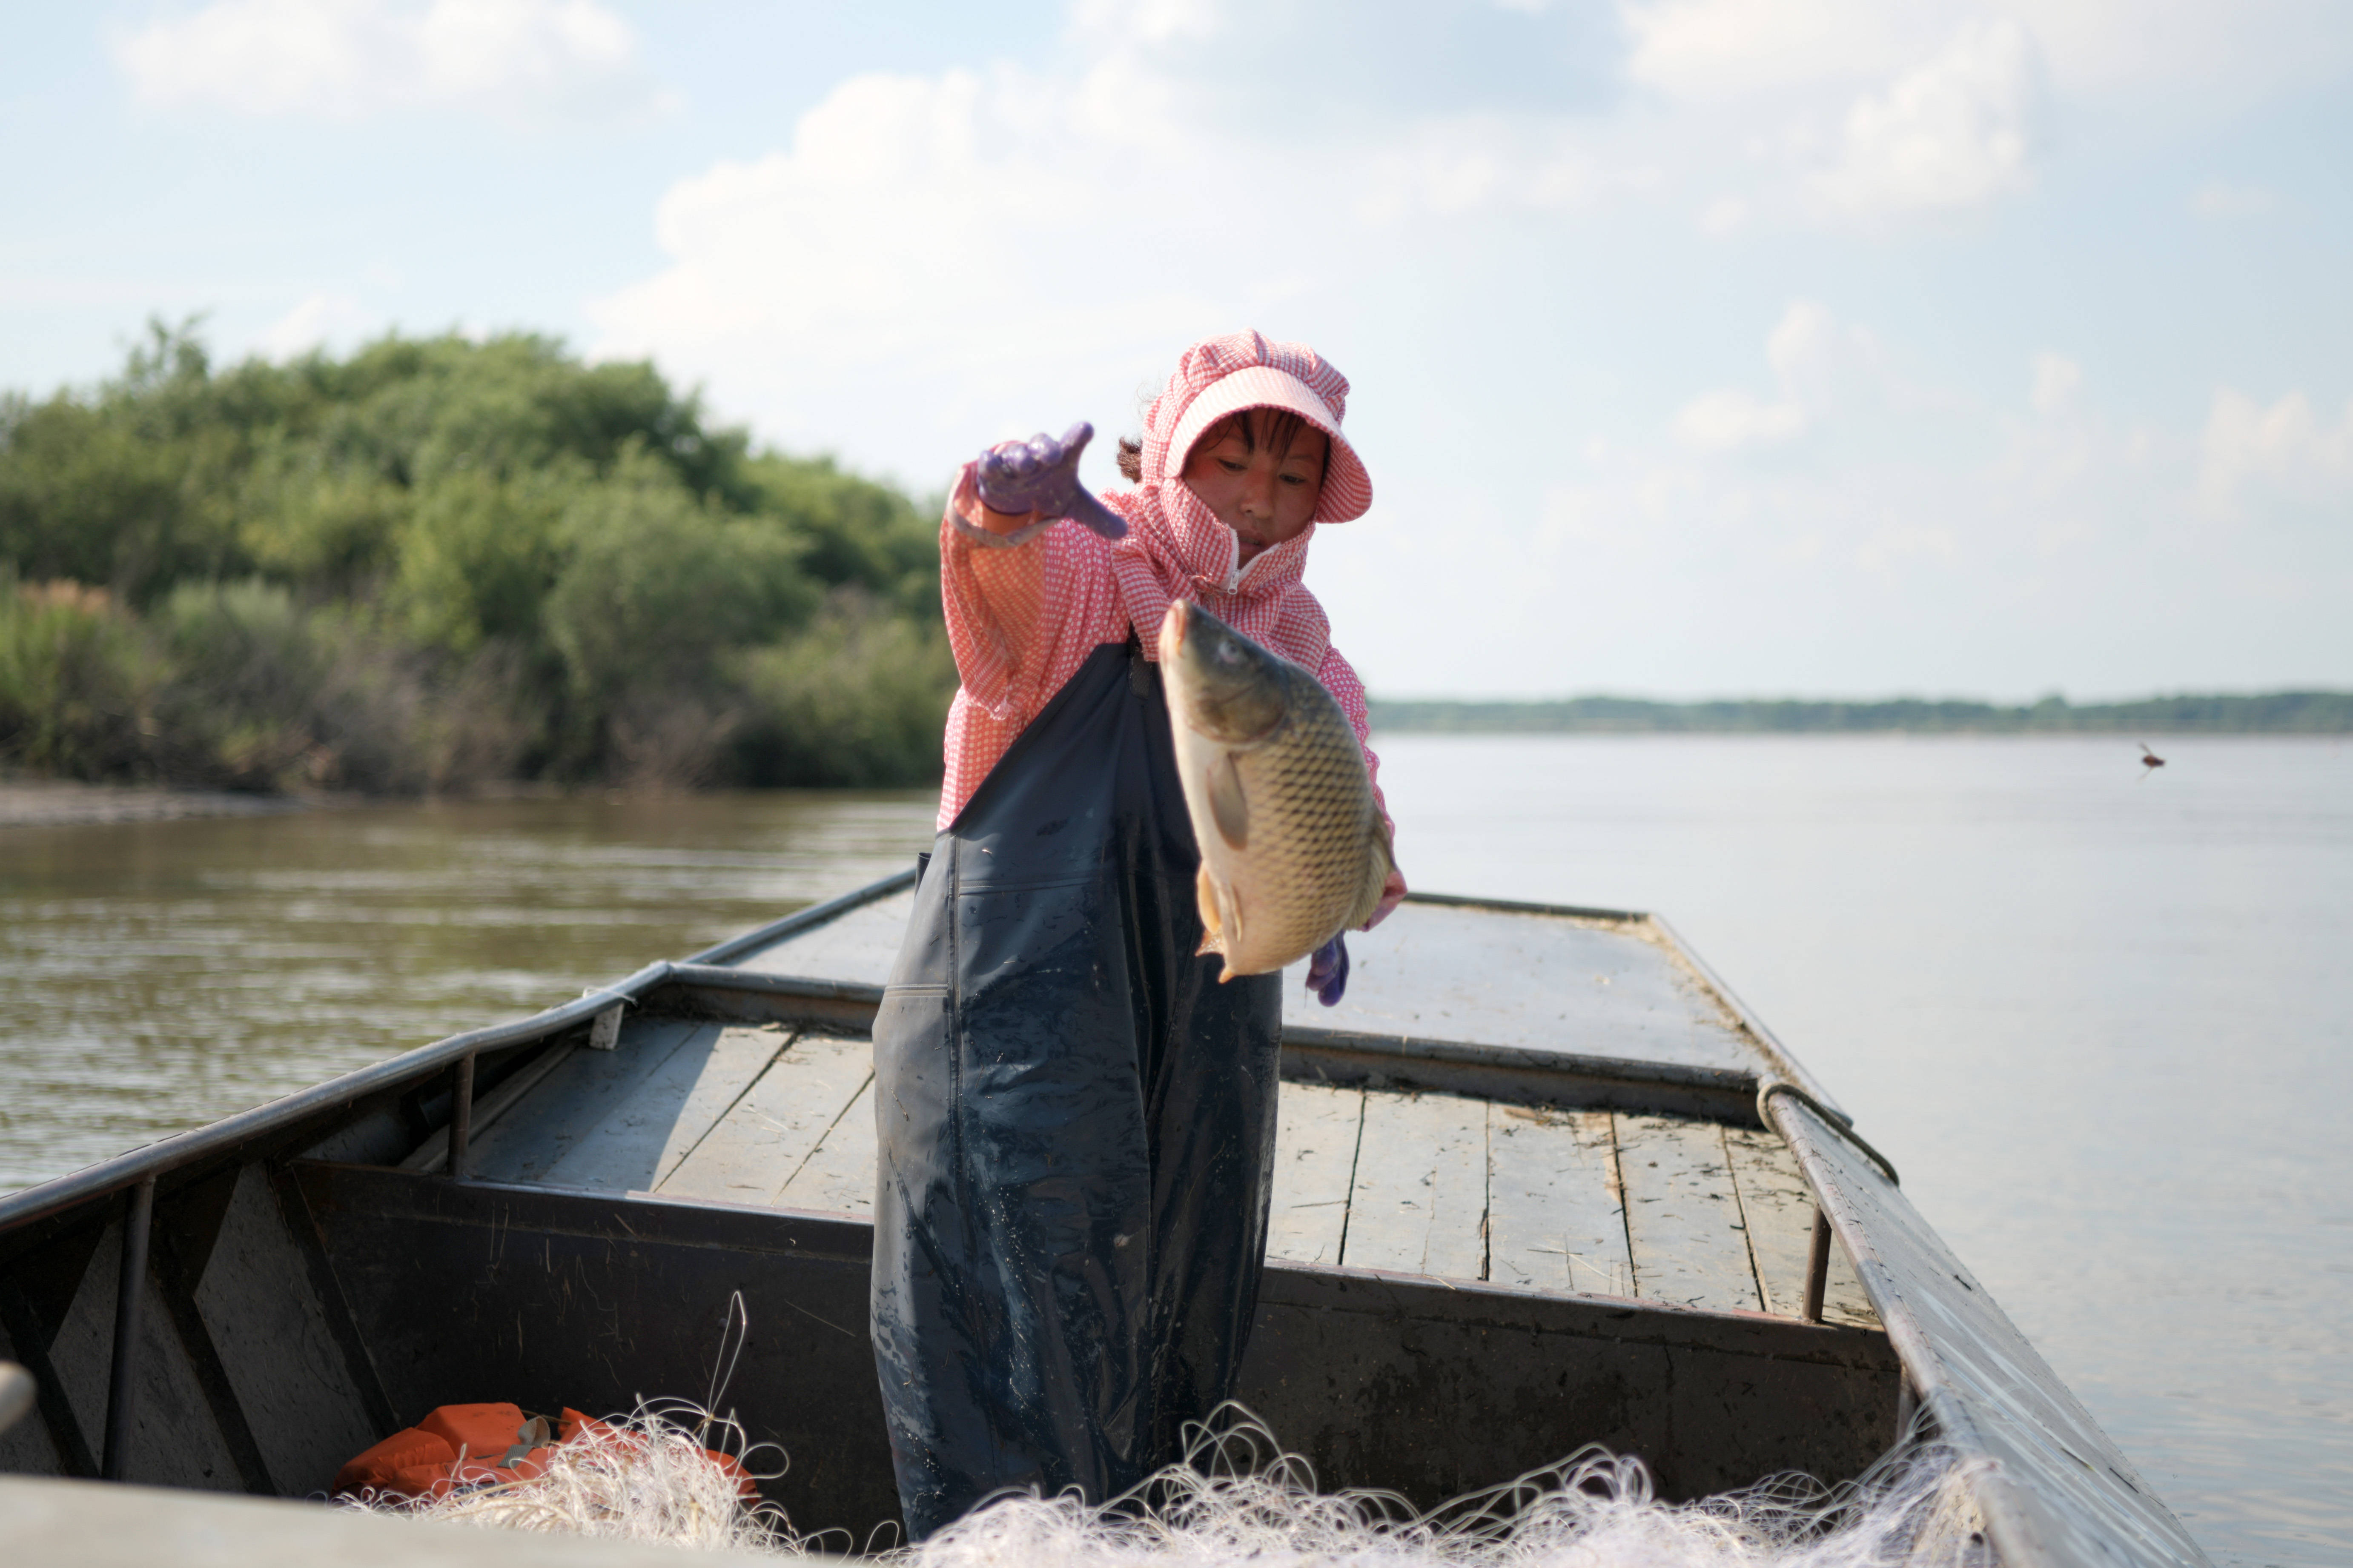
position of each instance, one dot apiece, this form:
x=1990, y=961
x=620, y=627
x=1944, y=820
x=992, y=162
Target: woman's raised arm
x=1025, y=600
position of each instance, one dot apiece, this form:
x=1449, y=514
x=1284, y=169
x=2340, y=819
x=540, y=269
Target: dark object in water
x=315, y=1280
x=2150, y=761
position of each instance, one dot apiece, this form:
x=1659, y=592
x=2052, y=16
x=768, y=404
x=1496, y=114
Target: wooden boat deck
x=1598, y=1201
x=1595, y=1202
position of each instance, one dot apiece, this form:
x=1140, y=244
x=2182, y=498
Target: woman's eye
x=1229, y=465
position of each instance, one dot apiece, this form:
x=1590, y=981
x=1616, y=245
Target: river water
x=2102, y=1022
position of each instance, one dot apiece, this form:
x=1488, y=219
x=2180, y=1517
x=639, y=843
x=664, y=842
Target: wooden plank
x=1778, y=1209
x=1556, y=1212
x=838, y=1176
x=642, y=1140
x=1315, y=1136
x=574, y=1101
x=1683, y=1220
x=1418, y=1203
x=762, y=1143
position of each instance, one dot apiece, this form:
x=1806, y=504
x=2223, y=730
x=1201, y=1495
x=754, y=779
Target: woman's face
x=1265, y=496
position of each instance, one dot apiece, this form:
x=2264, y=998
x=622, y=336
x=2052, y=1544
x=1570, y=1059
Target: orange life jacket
x=478, y=1445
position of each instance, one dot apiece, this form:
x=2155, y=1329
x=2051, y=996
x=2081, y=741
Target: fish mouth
x=1173, y=626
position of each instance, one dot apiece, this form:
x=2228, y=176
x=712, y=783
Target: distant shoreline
x=2270, y=713
x=65, y=803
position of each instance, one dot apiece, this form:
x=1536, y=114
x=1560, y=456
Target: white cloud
x=1119, y=23
x=2231, y=50
x=1724, y=48
x=347, y=59
x=2215, y=200
x=1699, y=50
x=1863, y=107
x=323, y=319
x=1731, y=420
x=1811, y=353
x=1957, y=132
x=1724, y=216
x=2057, y=380
x=1449, y=168
x=994, y=235
x=1891, y=546
x=2285, y=456
x=1811, y=356
x=932, y=232
x=1923, y=541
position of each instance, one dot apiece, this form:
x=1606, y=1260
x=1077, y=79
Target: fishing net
x=1241, y=1500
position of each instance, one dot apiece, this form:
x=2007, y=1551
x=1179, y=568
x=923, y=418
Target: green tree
x=435, y=558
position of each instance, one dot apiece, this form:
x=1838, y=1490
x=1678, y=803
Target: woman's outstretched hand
x=1042, y=476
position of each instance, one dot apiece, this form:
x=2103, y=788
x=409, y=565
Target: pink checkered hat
x=1245, y=370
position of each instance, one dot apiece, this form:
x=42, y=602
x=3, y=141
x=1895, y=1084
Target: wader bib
x=1076, y=1121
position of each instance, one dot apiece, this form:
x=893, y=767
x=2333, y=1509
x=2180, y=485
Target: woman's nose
x=1258, y=494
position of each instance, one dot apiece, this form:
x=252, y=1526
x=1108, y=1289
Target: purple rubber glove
x=1327, y=972
x=1041, y=475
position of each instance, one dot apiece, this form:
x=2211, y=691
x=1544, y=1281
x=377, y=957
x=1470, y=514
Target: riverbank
x=43, y=803
x=2225, y=713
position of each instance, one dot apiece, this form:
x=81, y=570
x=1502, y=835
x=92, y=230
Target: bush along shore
x=440, y=564
x=2273, y=714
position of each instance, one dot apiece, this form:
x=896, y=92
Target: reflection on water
x=2101, y=1023
x=158, y=975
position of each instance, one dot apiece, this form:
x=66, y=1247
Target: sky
x=1699, y=347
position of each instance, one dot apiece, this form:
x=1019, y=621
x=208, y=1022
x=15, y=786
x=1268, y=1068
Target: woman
x=1076, y=1118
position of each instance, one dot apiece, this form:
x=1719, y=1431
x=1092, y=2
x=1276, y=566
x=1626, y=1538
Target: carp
x=1293, y=850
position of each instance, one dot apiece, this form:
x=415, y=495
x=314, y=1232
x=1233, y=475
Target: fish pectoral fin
x=1228, y=806
x=1213, y=930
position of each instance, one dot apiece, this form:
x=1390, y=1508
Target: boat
x=1542, y=1181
